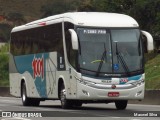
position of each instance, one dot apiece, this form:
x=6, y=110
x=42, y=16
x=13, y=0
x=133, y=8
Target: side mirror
x=150, y=45
x=74, y=39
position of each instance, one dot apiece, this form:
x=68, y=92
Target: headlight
x=85, y=82
x=138, y=83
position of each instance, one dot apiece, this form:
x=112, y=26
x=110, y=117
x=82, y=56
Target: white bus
x=79, y=57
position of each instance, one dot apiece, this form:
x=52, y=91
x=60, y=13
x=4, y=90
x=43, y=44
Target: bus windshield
x=109, y=51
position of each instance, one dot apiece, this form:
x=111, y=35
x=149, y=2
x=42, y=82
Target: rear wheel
x=121, y=104
x=77, y=103
x=34, y=102
x=28, y=101
x=64, y=102
x=25, y=99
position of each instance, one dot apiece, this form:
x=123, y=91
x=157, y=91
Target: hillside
x=29, y=8
x=18, y=12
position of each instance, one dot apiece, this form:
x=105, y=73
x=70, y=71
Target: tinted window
x=38, y=40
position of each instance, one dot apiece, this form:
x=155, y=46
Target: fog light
x=85, y=92
x=138, y=93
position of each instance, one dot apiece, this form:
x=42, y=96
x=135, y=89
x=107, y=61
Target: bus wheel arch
x=65, y=103
x=60, y=83
x=25, y=99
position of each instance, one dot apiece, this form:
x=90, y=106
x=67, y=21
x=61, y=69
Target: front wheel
x=77, y=103
x=64, y=102
x=121, y=104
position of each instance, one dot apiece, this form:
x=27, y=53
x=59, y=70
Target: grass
x=152, y=72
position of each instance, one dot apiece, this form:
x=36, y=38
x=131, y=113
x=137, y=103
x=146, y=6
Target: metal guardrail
x=152, y=97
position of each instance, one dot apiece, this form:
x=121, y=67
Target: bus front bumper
x=102, y=92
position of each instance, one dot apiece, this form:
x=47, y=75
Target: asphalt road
x=51, y=110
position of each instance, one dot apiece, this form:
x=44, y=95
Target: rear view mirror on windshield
x=149, y=41
x=74, y=39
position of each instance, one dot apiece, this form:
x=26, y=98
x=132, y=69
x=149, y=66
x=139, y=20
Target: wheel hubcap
x=63, y=96
x=23, y=95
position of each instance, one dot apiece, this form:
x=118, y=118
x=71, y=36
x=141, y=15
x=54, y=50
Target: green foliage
x=58, y=7
x=152, y=70
x=4, y=66
x=17, y=18
x=5, y=30
x=146, y=12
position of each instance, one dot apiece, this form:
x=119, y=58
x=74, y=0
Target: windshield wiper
x=121, y=59
x=101, y=62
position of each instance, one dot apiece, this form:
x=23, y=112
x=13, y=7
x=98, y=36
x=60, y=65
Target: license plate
x=113, y=94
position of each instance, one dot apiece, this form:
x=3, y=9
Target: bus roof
x=91, y=19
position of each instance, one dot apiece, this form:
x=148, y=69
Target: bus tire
x=64, y=102
x=77, y=103
x=121, y=104
x=34, y=102
x=28, y=101
x=25, y=100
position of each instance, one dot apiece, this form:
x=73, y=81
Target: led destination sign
x=94, y=31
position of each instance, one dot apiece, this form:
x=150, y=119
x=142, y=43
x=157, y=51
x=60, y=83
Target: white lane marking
x=44, y=109
x=116, y=117
x=8, y=98
x=144, y=105
x=55, y=109
x=3, y=105
x=135, y=119
x=22, y=118
x=8, y=101
x=15, y=118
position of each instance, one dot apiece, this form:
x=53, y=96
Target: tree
x=17, y=18
x=57, y=7
x=146, y=12
x=5, y=30
x=86, y=5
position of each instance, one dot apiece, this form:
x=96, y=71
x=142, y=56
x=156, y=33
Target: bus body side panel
x=39, y=73
x=14, y=78
x=51, y=75
x=14, y=84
